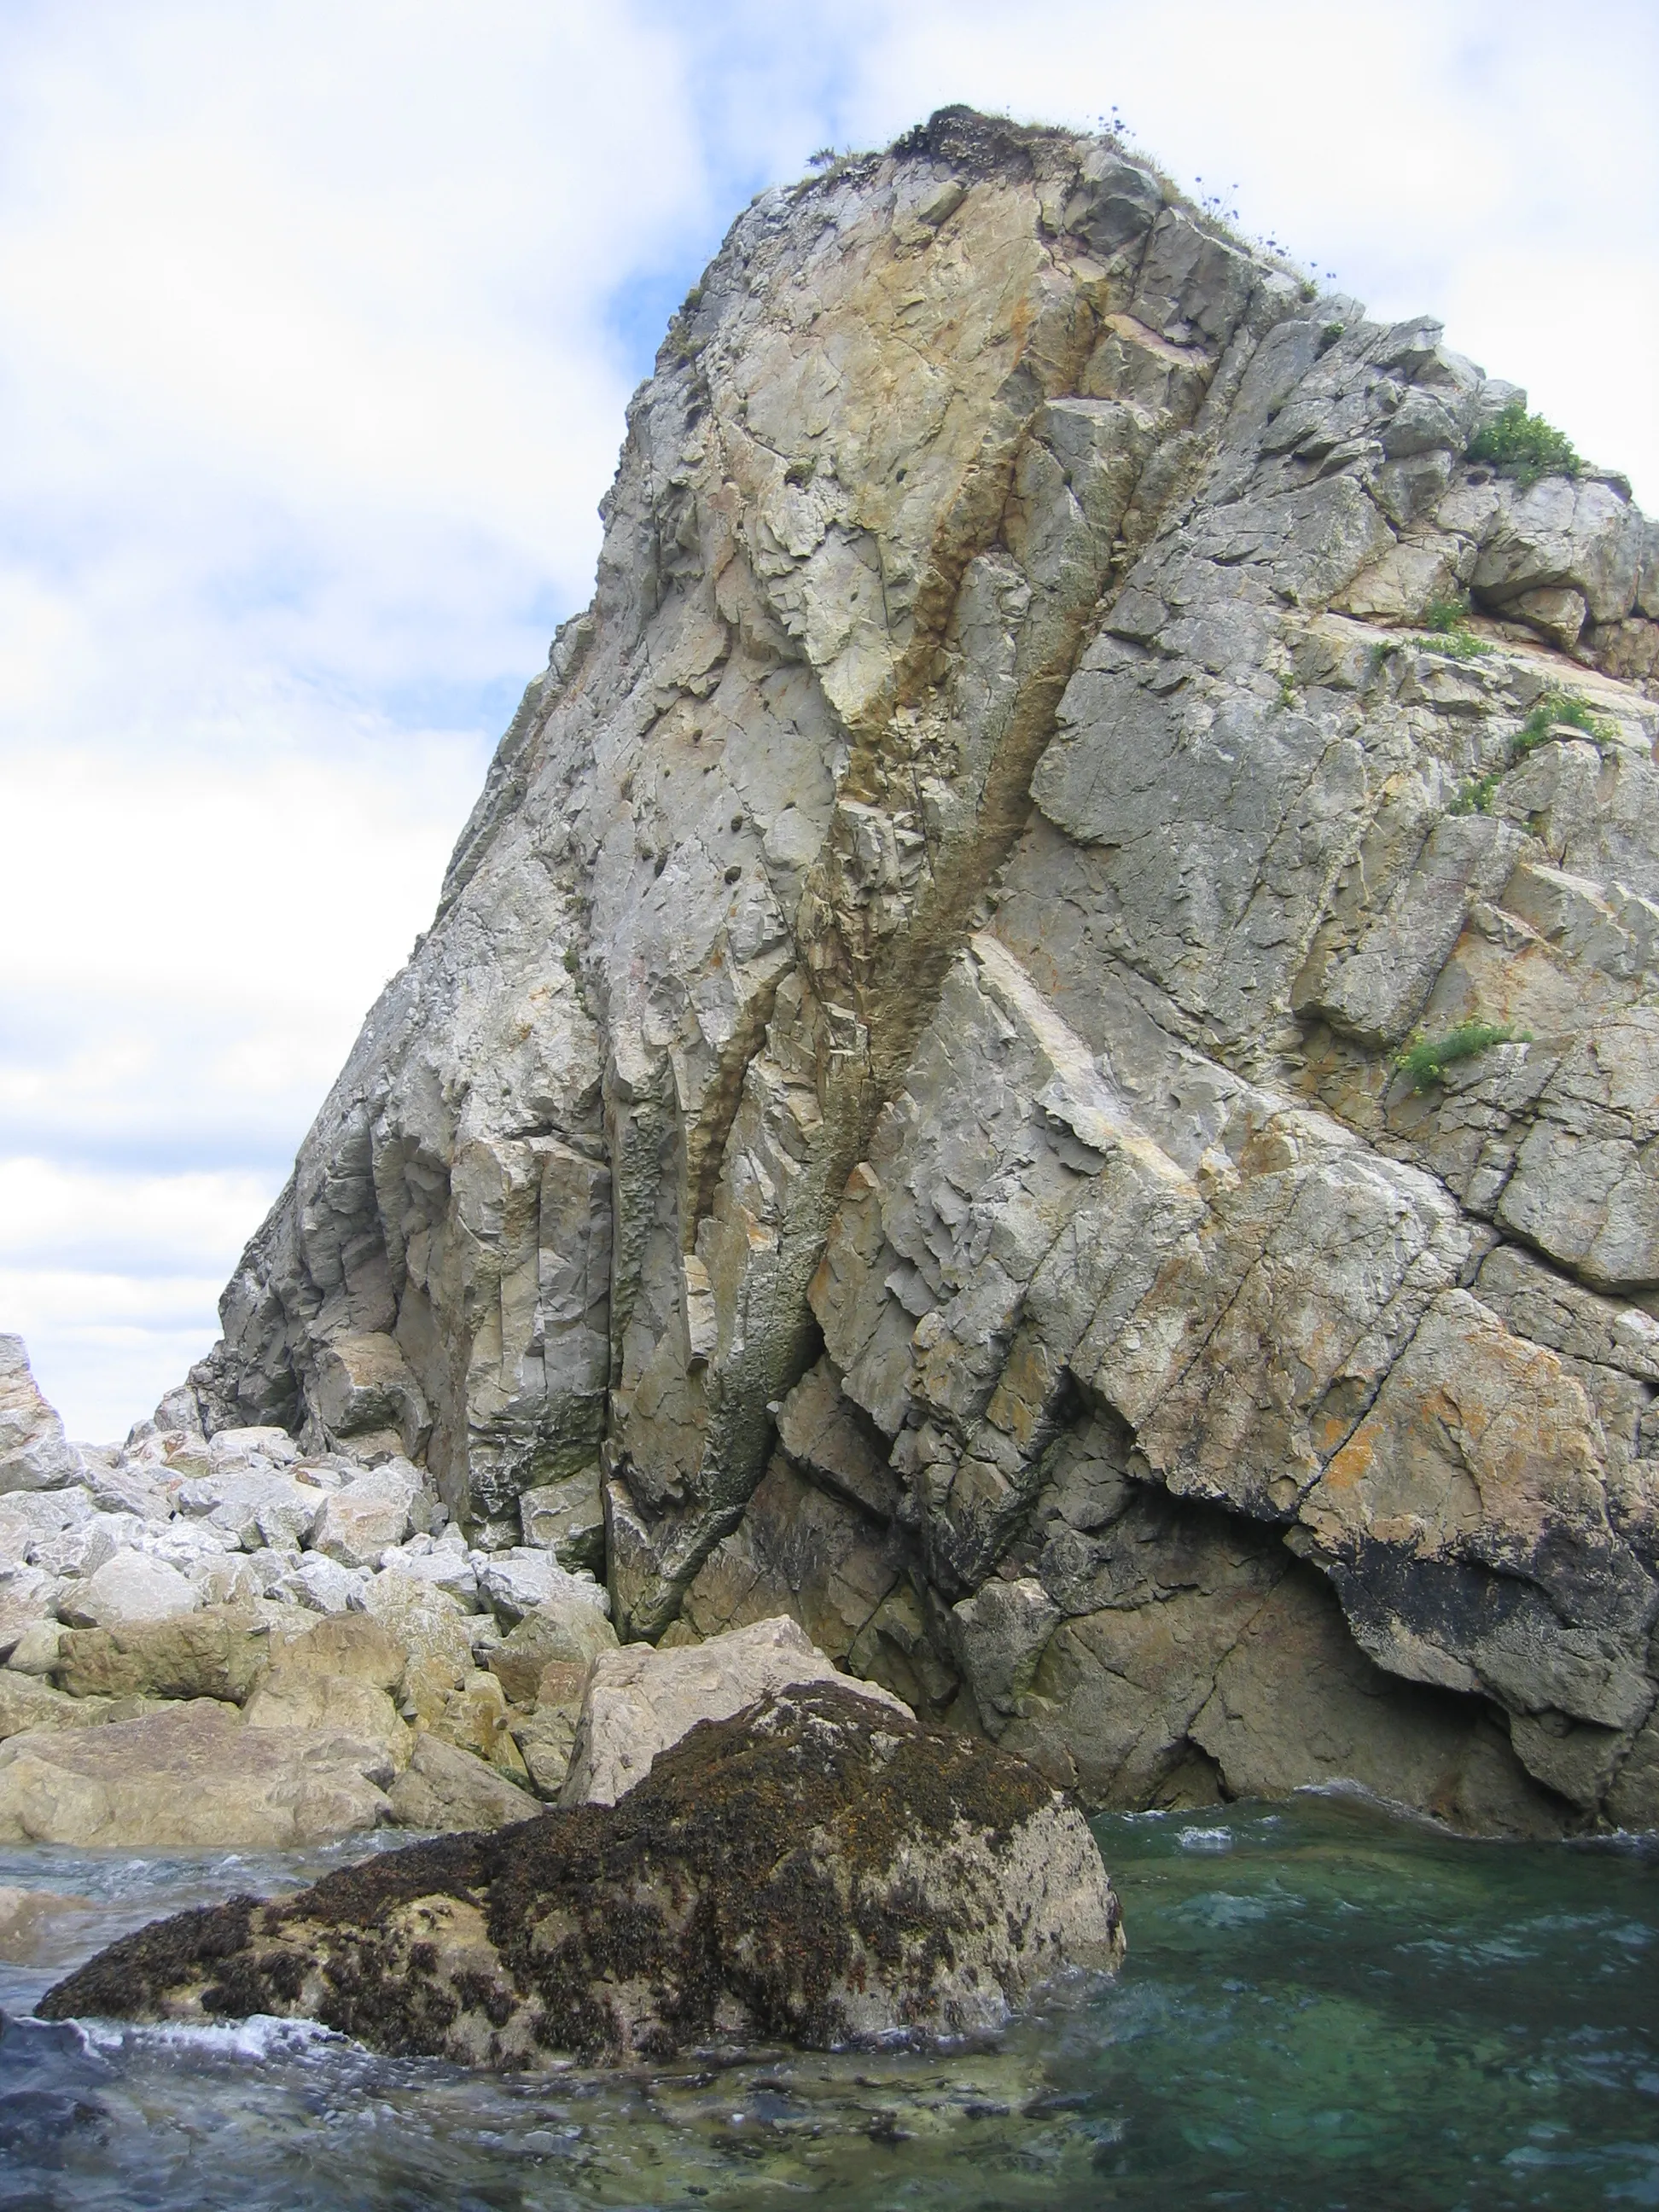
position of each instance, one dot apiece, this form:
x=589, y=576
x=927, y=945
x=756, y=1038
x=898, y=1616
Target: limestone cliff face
x=903, y=1083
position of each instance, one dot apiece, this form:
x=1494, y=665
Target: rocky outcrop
x=902, y=1088
x=35, y=1453
x=817, y=1868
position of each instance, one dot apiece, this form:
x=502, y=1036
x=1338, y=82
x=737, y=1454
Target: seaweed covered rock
x=816, y=1869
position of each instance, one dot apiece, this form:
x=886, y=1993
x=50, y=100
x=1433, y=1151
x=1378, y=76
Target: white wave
x=260, y=2036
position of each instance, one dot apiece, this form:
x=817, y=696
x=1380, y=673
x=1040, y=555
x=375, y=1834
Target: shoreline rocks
x=817, y=1868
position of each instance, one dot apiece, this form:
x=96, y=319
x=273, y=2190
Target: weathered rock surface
x=637, y=1702
x=903, y=1077
x=187, y=1776
x=35, y=1453
x=219, y=1653
x=819, y=1868
x=447, y=1790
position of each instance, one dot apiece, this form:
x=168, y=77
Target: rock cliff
x=946, y=1166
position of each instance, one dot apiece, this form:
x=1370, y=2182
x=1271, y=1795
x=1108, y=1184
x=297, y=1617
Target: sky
x=317, y=324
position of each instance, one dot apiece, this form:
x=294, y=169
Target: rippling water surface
x=1322, y=2007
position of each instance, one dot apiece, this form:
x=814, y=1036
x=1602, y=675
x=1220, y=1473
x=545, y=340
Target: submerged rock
x=816, y=1869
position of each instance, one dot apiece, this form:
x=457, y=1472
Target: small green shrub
x=1446, y=617
x=1448, y=620
x=1427, y=1060
x=1553, y=708
x=1286, y=692
x=571, y=962
x=1475, y=797
x=1525, y=448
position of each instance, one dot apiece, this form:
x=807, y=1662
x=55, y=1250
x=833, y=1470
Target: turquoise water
x=1322, y=2007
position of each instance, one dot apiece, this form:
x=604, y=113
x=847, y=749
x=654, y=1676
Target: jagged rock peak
x=904, y=1078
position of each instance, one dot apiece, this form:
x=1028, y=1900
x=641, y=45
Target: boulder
x=127, y=1591
x=35, y=1453
x=820, y=1870
x=356, y=1524
x=255, y=1504
x=443, y=1561
x=28, y=1596
x=36, y=1649
x=220, y=1652
x=191, y=1777
x=328, y=1705
x=568, y=1519
x=473, y=1715
x=27, y=1702
x=434, y=1633
x=82, y=1547
x=186, y=1544
x=239, y=1447
x=323, y=1585
x=546, y=1735
x=29, y=1518
x=446, y=1789
x=430, y=1627
x=516, y=1580
x=639, y=1701
x=351, y=1644
x=229, y=1579
x=570, y=1632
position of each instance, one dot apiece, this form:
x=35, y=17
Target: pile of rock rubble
x=273, y=1647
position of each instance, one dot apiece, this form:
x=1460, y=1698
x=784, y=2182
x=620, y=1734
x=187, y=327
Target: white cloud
x=316, y=325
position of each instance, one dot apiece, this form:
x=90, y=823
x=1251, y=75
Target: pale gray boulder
x=128, y=1590
x=322, y=1585
x=517, y=1581
x=35, y=1453
x=638, y=1702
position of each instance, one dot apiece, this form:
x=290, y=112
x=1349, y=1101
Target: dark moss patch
x=127, y=1979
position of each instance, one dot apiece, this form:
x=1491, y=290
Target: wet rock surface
x=815, y=1869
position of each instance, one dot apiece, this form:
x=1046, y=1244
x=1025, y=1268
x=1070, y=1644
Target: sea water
x=1323, y=2006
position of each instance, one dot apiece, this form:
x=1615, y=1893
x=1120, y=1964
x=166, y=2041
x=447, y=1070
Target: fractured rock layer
x=903, y=1076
